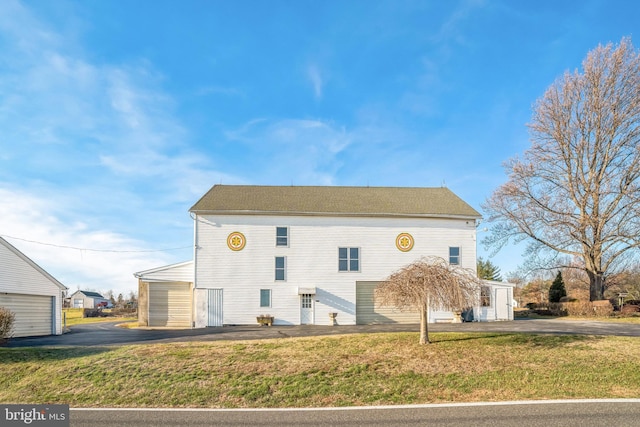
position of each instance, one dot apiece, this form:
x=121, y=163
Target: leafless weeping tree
x=576, y=190
x=429, y=283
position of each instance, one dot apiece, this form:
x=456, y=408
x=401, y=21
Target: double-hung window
x=282, y=236
x=454, y=255
x=281, y=268
x=348, y=259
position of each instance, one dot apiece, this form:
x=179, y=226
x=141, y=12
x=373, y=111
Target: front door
x=502, y=304
x=306, y=309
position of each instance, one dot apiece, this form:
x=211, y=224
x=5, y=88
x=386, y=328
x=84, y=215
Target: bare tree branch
x=576, y=191
x=429, y=283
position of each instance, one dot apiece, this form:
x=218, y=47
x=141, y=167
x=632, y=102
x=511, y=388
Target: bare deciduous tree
x=429, y=283
x=576, y=191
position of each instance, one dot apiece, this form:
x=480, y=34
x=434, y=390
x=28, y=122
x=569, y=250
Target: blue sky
x=116, y=116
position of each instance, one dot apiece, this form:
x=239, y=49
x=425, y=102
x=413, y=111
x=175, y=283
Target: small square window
x=348, y=259
x=454, y=255
x=265, y=297
x=280, y=268
x=282, y=236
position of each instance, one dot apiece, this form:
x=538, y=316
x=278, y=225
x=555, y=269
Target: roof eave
x=338, y=214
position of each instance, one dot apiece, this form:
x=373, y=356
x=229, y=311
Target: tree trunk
x=424, y=321
x=596, y=286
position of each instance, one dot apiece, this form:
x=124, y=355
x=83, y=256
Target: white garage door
x=368, y=312
x=170, y=304
x=33, y=313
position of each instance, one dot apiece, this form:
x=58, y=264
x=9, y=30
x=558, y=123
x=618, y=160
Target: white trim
x=140, y=274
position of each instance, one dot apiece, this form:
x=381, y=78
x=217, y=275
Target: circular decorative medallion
x=236, y=241
x=404, y=242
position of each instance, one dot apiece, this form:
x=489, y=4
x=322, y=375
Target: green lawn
x=73, y=316
x=364, y=369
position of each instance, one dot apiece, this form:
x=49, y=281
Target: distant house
x=33, y=295
x=304, y=254
x=87, y=299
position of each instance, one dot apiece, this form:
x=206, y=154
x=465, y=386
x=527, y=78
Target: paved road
x=604, y=413
x=99, y=334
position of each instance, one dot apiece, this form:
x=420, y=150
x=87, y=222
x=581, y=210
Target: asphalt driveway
x=101, y=334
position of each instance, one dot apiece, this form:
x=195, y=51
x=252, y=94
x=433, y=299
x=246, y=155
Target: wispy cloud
x=302, y=151
x=96, y=150
x=315, y=77
x=47, y=238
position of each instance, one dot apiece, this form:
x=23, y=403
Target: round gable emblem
x=404, y=242
x=236, y=241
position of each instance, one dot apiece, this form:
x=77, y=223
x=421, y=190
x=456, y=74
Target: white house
x=87, y=299
x=33, y=295
x=299, y=253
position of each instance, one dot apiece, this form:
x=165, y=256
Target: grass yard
x=366, y=369
x=74, y=317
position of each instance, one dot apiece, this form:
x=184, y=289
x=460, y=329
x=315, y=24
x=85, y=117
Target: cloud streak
x=97, y=153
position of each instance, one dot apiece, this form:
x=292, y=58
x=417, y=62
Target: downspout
x=194, y=217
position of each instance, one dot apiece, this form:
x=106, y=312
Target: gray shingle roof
x=319, y=200
x=92, y=294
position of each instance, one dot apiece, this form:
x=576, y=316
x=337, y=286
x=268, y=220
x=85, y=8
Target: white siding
x=19, y=275
x=312, y=260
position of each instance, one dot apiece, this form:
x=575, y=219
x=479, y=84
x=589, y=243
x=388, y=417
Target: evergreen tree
x=488, y=271
x=557, y=289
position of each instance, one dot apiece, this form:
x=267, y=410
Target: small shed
x=165, y=296
x=496, y=301
x=86, y=299
x=33, y=295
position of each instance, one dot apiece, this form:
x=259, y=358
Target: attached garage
x=165, y=296
x=368, y=312
x=496, y=305
x=170, y=304
x=30, y=293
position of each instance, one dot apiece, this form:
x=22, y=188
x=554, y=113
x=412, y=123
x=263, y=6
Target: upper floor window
x=281, y=265
x=485, y=296
x=282, y=236
x=454, y=255
x=348, y=259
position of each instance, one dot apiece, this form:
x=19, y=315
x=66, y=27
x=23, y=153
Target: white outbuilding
x=33, y=295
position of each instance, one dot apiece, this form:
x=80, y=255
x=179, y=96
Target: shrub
x=629, y=309
x=7, y=318
x=589, y=309
x=124, y=312
x=579, y=308
x=93, y=312
x=602, y=308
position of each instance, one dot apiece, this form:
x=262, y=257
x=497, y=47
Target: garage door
x=33, y=313
x=170, y=304
x=368, y=312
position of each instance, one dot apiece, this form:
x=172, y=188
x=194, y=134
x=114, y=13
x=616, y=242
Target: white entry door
x=306, y=309
x=502, y=304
